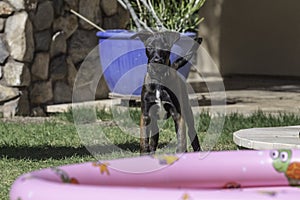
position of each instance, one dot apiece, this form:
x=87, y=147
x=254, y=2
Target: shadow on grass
x=50, y=152
x=42, y=152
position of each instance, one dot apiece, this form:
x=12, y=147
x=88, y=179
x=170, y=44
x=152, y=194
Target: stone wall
x=42, y=45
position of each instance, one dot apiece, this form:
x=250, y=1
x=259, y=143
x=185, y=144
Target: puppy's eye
x=150, y=49
x=165, y=53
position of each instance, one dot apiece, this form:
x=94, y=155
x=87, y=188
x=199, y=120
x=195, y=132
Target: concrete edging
x=268, y=138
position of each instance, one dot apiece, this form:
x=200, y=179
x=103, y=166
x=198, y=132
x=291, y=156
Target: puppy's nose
x=157, y=60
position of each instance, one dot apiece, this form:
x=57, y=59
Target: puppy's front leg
x=181, y=134
x=144, y=134
x=154, y=135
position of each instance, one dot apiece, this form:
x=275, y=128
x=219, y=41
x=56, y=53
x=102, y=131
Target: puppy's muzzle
x=158, y=71
x=157, y=60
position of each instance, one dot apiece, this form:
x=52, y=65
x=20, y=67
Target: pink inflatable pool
x=219, y=175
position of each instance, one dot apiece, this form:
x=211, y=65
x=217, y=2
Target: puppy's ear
x=180, y=62
x=171, y=37
x=143, y=35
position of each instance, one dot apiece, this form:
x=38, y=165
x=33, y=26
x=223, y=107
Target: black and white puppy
x=164, y=89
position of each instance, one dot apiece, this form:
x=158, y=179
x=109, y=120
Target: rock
x=24, y=104
x=72, y=72
x=1, y=73
x=2, y=23
x=40, y=66
x=82, y=94
x=82, y=43
x=31, y=5
x=17, y=4
x=72, y=4
x=42, y=40
x=41, y=93
x=67, y=24
x=91, y=10
x=7, y=93
x=16, y=74
x=102, y=89
x=62, y=93
x=3, y=51
x=38, y=112
x=124, y=17
x=120, y=20
x=58, y=7
x=90, y=73
x=111, y=22
x=109, y=7
x=44, y=16
x=58, y=45
x=19, y=36
x=88, y=86
x=5, y=9
x=58, y=68
x=10, y=108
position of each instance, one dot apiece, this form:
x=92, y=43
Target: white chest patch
x=157, y=94
x=161, y=111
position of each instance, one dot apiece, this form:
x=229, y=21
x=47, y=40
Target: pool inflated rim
x=252, y=173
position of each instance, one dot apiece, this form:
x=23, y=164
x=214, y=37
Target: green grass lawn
x=28, y=146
